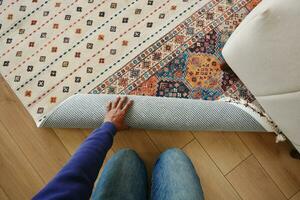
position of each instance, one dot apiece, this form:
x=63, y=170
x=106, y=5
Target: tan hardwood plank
x=214, y=184
x=71, y=138
x=225, y=148
x=252, y=182
x=139, y=141
x=109, y=154
x=87, y=131
x=275, y=159
x=18, y=178
x=43, y=148
x=5, y=91
x=3, y=195
x=296, y=196
x=170, y=139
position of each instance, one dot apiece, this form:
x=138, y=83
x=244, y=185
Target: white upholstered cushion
x=284, y=109
x=264, y=52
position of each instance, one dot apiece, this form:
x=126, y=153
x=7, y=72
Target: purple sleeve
x=76, y=179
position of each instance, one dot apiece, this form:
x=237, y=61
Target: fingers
x=122, y=102
x=116, y=102
x=109, y=105
x=127, y=105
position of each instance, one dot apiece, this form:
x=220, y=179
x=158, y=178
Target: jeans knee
x=127, y=154
x=126, y=151
x=173, y=154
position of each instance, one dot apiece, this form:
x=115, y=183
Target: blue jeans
x=124, y=178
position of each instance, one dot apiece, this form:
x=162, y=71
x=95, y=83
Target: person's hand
x=116, y=112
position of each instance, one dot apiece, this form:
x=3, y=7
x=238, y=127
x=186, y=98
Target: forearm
x=76, y=179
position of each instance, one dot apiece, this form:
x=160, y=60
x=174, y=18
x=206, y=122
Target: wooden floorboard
x=170, y=139
x=18, y=178
x=252, y=182
x=275, y=159
x=43, y=148
x=71, y=138
x=256, y=167
x=109, y=154
x=296, y=196
x=5, y=91
x=225, y=148
x=215, y=185
x=3, y=195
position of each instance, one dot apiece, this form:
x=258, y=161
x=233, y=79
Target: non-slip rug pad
x=52, y=50
x=86, y=111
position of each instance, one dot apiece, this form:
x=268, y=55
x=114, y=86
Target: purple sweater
x=76, y=179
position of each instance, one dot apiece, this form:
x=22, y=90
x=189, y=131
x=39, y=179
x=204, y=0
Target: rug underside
x=86, y=111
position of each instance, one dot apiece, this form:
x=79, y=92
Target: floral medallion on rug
x=51, y=50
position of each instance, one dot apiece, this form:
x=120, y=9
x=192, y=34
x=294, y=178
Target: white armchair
x=264, y=52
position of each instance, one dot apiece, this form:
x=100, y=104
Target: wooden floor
x=230, y=165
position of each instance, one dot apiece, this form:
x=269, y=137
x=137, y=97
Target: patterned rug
x=51, y=50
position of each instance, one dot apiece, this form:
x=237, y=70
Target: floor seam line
x=219, y=169
x=25, y=156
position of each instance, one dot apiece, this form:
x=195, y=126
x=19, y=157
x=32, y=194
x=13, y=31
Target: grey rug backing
x=87, y=111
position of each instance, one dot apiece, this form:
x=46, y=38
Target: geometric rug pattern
x=51, y=50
